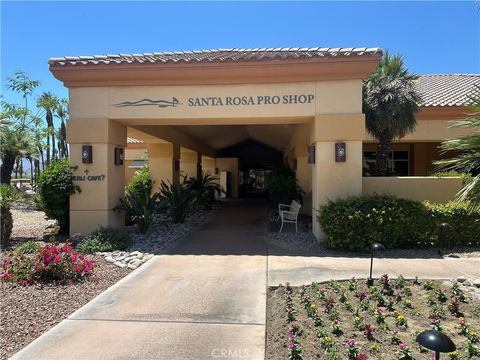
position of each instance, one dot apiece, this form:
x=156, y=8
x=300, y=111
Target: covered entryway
x=184, y=104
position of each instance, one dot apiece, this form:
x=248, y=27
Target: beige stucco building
x=243, y=111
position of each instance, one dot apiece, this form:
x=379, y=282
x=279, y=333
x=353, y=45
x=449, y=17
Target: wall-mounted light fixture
x=118, y=156
x=216, y=171
x=340, y=152
x=311, y=154
x=87, y=154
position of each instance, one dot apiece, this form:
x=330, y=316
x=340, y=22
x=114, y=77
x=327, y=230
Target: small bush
x=30, y=247
x=105, y=239
x=140, y=208
x=55, y=185
x=141, y=181
x=50, y=263
x=356, y=222
x=282, y=187
x=176, y=199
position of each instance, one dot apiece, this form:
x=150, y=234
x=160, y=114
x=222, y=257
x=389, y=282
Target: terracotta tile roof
x=448, y=89
x=131, y=140
x=217, y=55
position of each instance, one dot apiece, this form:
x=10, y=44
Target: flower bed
x=46, y=264
x=348, y=320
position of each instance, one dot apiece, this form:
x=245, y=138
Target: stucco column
x=101, y=181
x=333, y=180
x=161, y=159
x=190, y=162
x=208, y=165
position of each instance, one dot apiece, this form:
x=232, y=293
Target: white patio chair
x=289, y=213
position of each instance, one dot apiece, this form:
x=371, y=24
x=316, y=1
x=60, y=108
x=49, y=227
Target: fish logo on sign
x=149, y=102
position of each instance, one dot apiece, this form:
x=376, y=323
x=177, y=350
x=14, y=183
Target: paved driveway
x=206, y=301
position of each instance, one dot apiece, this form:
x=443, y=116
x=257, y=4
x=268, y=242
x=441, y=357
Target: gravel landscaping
x=29, y=311
x=348, y=320
x=304, y=243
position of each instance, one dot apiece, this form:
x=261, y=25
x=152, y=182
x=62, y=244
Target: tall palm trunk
x=31, y=170
x=8, y=162
x=51, y=131
x=48, y=151
x=381, y=167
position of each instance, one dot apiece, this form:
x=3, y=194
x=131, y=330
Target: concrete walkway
x=205, y=301
x=208, y=299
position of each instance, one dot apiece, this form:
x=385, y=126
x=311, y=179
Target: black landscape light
x=436, y=341
x=441, y=236
x=374, y=247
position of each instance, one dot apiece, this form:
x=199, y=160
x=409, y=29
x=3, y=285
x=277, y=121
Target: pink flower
x=351, y=342
x=56, y=259
x=23, y=283
x=335, y=321
x=73, y=258
x=462, y=322
x=402, y=346
x=291, y=335
x=292, y=345
x=379, y=310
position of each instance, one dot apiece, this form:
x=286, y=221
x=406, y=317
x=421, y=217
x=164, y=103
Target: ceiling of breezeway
x=215, y=137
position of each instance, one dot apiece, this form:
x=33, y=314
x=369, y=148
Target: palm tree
x=49, y=103
x=390, y=101
x=22, y=84
x=14, y=143
x=8, y=195
x=62, y=114
x=468, y=150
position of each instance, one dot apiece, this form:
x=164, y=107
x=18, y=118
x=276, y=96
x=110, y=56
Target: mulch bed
x=314, y=308
x=27, y=312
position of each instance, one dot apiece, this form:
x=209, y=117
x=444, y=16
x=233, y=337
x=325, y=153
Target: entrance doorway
x=255, y=181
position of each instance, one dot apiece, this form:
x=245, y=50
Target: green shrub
x=356, y=222
x=282, y=187
x=176, y=200
x=204, y=188
x=105, y=239
x=30, y=247
x=55, y=185
x=141, y=181
x=464, y=225
x=140, y=207
x=47, y=264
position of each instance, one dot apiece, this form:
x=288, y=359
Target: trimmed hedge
x=356, y=222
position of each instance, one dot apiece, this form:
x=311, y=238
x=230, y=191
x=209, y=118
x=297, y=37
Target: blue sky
x=434, y=37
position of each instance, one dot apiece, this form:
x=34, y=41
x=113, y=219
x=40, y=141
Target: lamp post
x=436, y=341
x=441, y=236
x=373, y=247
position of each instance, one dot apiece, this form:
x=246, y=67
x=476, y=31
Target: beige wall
x=439, y=190
x=94, y=205
x=189, y=160
x=161, y=158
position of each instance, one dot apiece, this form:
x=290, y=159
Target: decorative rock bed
x=131, y=260
x=159, y=241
